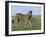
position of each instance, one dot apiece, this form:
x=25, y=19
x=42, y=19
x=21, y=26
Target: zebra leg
x=26, y=22
x=30, y=24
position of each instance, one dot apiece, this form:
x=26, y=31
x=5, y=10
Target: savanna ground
x=35, y=26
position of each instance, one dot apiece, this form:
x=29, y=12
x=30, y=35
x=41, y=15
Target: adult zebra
x=24, y=18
